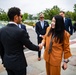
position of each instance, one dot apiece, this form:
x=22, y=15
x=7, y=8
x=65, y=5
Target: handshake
x=41, y=45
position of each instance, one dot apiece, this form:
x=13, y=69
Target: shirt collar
x=41, y=21
x=64, y=19
x=19, y=25
x=12, y=23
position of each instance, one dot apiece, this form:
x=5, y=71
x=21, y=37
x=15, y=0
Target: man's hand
x=42, y=36
x=40, y=46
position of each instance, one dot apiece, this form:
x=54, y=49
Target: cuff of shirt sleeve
x=66, y=60
x=40, y=35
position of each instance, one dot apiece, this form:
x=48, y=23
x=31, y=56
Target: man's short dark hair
x=12, y=12
x=62, y=12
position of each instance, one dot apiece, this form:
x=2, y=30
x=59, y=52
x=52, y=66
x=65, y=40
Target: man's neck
x=11, y=22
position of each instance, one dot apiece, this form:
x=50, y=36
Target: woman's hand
x=64, y=66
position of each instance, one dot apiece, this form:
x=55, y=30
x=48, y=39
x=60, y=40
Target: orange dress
x=58, y=50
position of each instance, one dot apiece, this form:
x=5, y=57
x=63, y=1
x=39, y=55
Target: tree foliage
x=48, y=13
x=25, y=16
x=3, y=15
x=75, y=8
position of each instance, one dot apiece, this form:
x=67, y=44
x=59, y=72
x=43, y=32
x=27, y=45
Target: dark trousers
x=16, y=72
x=39, y=52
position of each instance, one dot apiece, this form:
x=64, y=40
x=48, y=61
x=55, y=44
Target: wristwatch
x=66, y=61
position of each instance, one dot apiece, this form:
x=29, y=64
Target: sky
x=36, y=6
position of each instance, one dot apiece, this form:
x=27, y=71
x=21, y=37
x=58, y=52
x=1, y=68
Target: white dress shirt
x=42, y=24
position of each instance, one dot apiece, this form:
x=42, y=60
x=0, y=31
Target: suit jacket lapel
x=65, y=21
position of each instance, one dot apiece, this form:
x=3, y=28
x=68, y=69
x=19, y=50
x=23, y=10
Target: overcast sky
x=36, y=6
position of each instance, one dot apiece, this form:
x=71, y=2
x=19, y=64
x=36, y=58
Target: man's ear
x=15, y=17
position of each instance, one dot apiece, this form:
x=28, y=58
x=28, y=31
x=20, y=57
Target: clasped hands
x=40, y=46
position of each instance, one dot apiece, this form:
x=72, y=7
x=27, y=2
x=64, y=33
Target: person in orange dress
x=56, y=42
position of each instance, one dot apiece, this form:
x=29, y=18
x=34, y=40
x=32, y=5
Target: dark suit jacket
x=74, y=26
x=24, y=27
x=12, y=39
x=39, y=30
x=68, y=25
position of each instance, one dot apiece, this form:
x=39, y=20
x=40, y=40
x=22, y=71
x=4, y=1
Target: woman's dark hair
x=12, y=12
x=58, y=31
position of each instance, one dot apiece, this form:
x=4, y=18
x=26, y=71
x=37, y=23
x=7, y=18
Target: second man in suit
x=40, y=29
x=68, y=23
x=23, y=27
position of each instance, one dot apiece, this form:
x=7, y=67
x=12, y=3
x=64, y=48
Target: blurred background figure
x=74, y=26
x=23, y=27
x=68, y=23
x=40, y=29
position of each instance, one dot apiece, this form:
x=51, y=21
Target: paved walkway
x=36, y=67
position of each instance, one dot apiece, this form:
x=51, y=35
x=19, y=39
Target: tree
x=69, y=14
x=46, y=13
x=49, y=13
x=3, y=15
x=54, y=11
x=75, y=8
x=35, y=17
x=2, y=11
x=74, y=16
x=25, y=15
x=56, y=8
x=30, y=16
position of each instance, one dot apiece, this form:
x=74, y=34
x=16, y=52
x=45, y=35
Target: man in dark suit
x=74, y=26
x=40, y=29
x=23, y=27
x=12, y=39
x=68, y=23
